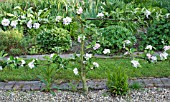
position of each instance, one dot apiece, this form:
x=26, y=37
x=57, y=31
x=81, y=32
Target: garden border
x=94, y=84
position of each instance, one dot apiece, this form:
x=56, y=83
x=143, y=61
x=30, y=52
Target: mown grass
x=159, y=69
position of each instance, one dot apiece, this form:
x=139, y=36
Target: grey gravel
x=142, y=95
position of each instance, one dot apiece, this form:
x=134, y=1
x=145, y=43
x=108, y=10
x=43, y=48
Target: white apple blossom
x=5, y=22
x=22, y=62
x=14, y=23
x=96, y=64
x=88, y=56
x=84, y=62
x=149, y=55
x=126, y=42
x=8, y=59
x=167, y=15
x=96, y=46
x=75, y=71
x=58, y=18
x=29, y=24
x=1, y=68
x=106, y=51
x=166, y=48
x=51, y=56
x=153, y=59
x=149, y=47
x=135, y=63
x=147, y=13
x=80, y=10
x=36, y=25
x=163, y=55
x=100, y=15
x=126, y=53
x=67, y=20
x=31, y=64
x=81, y=38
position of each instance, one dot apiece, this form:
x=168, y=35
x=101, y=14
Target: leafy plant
x=54, y=64
x=158, y=34
x=135, y=86
x=117, y=82
x=11, y=42
x=112, y=37
x=57, y=37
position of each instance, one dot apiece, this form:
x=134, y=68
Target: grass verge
x=159, y=69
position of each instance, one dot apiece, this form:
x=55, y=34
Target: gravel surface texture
x=142, y=95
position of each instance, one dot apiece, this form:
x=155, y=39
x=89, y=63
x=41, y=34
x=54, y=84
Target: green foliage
x=11, y=42
x=117, y=82
x=158, y=35
x=57, y=37
x=112, y=37
x=136, y=86
x=47, y=76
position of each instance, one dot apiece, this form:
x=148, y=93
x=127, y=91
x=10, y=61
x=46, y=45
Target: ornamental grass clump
x=117, y=82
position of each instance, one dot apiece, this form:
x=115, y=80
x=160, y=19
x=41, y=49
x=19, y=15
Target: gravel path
x=142, y=95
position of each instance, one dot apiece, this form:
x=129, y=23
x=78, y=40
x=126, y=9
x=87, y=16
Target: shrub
x=158, y=35
x=117, y=82
x=57, y=37
x=112, y=37
x=11, y=42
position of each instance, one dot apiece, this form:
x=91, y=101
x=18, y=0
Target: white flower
x=22, y=62
x=88, y=56
x=29, y=24
x=127, y=42
x=84, y=62
x=51, y=56
x=147, y=13
x=126, y=53
x=1, y=68
x=135, y=63
x=8, y=59
x=148, y=55
x=149, y=47
x=96, y=46
x=100, y=15
x=75, y=71
x=80, y=10
x=153, y=59
x=167, y=15
x=14, y=23
x=23, y=17
x=166, y=48
x=81, y=38
x=36, y=25
x=5, y=22
x=58, y=18
x=163, y=55
x=106, y=51
x=67, y=21
x=31, y=64
x=96, y=64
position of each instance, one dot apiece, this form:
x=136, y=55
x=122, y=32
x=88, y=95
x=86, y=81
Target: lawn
x=159, y=69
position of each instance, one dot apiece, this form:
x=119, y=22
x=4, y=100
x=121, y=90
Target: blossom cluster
x=6, y=22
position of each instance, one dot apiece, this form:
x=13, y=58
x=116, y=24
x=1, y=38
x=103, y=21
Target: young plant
x=2, y=62
x=84, y=59
x=117, y=82
x=47, y=76
x=136, y=86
